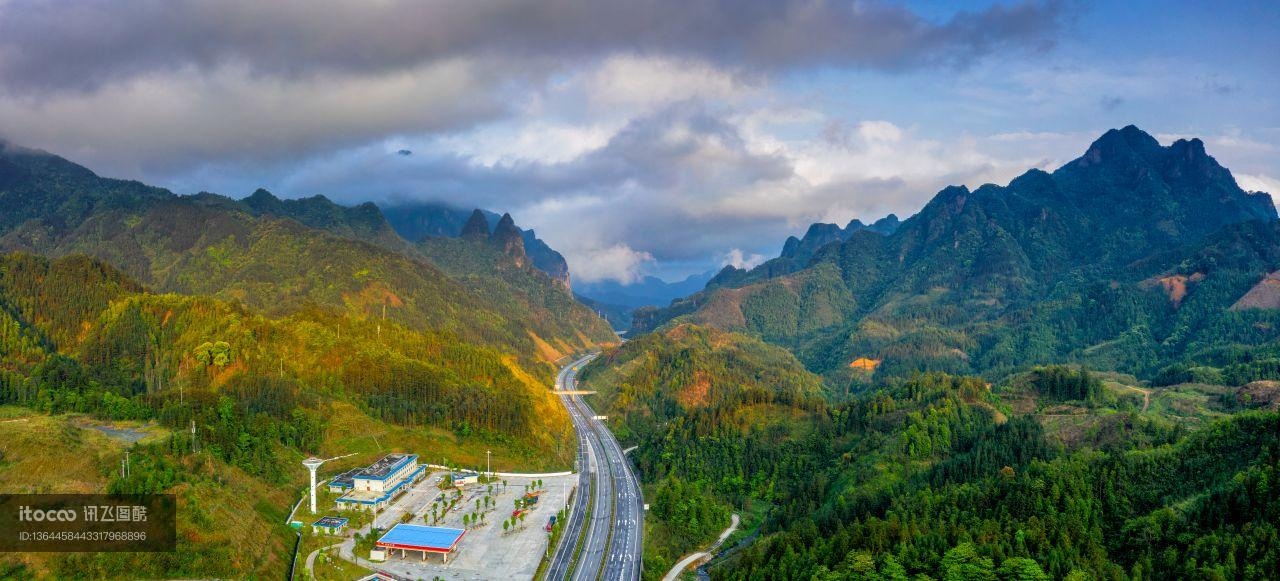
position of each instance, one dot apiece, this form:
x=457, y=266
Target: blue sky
x=638, y=138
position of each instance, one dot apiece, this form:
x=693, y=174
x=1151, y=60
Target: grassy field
x=350, y=430
x=235, y=520
x=1125, y=400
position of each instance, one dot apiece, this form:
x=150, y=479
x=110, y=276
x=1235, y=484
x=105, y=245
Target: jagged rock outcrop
x=506, y=237
x=419, y=220
x=477, y=227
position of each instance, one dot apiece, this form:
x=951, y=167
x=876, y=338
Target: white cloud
x=879, y=131
x=523, y=141
x=634, y=82
x=1259, y=183
x=739, y=259
x=617, y=262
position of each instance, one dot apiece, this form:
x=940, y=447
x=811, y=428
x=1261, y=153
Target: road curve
x=684, y=563
x=612, y=539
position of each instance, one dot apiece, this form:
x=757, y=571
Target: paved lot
x=486, y=551
x=417, y=500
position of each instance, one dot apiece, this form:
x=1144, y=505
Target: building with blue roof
x=329, y=525
x=374, y=486
x=421, y=538
x=343, y=482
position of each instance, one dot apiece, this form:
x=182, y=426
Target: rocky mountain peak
x=506, y=236
x=476, y=228
x=1128, y=146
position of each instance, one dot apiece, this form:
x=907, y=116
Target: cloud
x=679, y=184
x=631, y=81
x=739, y=259
x=618, y=262
x=156, y=89
x=155, y=124
x=610, y=124
x=68, y=45
x=631, y=135
x=1259, y=183
x=1110, y=102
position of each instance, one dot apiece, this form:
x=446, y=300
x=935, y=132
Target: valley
x=671, y=290
x=960, y=393
x=611, y=540
x=1073, y=375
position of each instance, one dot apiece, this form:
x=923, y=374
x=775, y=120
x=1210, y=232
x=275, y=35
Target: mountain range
x=271, y=329
x=1127, y=258
x=1072, y=376
x=416, y=221
x=648, y=291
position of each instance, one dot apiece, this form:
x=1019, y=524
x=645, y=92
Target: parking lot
x=486, y=551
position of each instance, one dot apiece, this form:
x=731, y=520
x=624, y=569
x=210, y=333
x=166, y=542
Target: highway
x=612, y=537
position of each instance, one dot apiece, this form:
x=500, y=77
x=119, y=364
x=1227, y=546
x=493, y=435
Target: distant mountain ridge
x=820, y=234
x=417, y=220
x=967, y=283
x=648, y=291
x=270, y=254
x=797, y=252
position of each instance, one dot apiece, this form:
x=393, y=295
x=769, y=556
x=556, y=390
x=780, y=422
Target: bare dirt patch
x=1260, y=394
x=697, y=393
x=1264, y=295
x=864, y=364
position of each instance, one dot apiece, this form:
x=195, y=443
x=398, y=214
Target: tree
x=1021, y=569
x=963, y=563
x=891, y=570
x=216, y=353
x=204, y=353
x=506, y=525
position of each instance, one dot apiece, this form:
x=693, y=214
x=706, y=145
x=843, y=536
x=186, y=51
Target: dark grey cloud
x=1110, y=102
x=658, y=185
x=77, y=45
x=679, y=148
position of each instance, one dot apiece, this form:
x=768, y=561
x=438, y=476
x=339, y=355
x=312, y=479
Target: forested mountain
x=798, y=252
x=363, y=222
x=718, y=418
x=1135, y=258
x=497, y=269
x=270, y=254
x=78, y=336
x=1053, y=474
x=416, y=221
x=1128, y=258
x=278, y=329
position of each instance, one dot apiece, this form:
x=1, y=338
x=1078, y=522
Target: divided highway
x=612, y=537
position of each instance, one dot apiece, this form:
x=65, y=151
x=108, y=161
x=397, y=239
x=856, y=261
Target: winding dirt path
x=692, y=558
x=1146, y=396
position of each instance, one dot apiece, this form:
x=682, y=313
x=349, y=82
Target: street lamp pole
x=488, y=465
